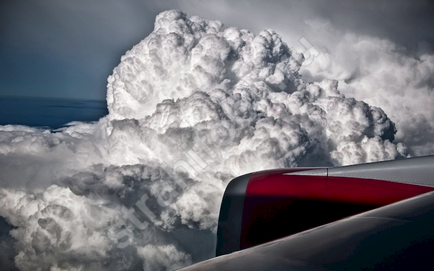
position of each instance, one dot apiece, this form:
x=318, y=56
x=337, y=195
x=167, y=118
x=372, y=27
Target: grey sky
x=68, y=48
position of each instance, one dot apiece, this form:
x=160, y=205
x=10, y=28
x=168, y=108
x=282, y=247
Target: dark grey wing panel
x=399, y=236
x=417, y=170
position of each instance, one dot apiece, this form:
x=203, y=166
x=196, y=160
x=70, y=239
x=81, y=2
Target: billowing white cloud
x=190, y=107
x=57, y=229
x=380, y=73
x=163, y=257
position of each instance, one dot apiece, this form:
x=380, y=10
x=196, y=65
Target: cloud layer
x=382, y=74
x=190, y=107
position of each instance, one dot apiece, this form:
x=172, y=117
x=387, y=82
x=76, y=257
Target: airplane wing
x=377, y=216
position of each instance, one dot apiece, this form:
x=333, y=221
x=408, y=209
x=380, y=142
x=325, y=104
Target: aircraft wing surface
x=377, y=216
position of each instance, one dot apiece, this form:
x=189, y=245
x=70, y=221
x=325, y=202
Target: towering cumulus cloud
x=190, y=107
x=382, y=73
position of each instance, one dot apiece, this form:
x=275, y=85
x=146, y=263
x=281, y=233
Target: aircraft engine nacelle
x=267, y=205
